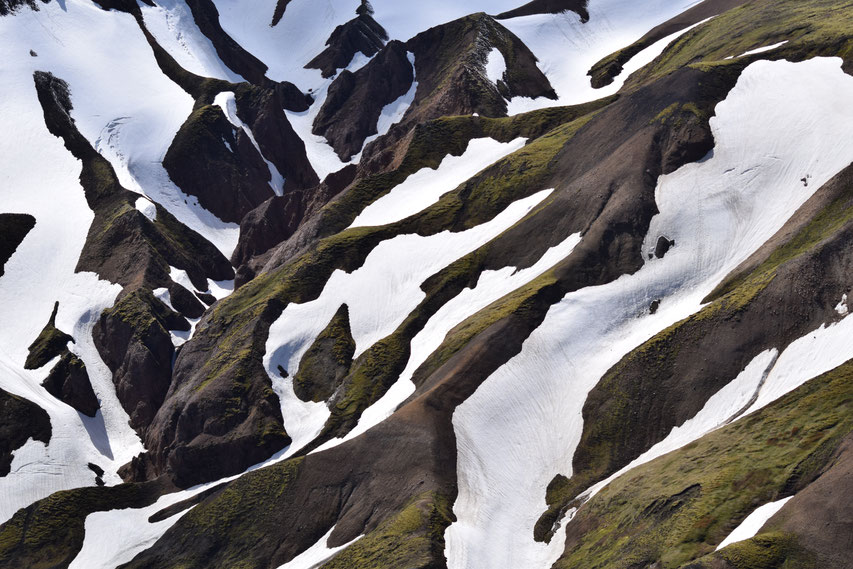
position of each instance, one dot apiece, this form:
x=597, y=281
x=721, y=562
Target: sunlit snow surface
x=380, y=294
x=753, y=522
x=780, y=122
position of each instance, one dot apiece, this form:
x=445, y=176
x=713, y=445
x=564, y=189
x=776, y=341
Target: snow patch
x=147, y=208
x=317, y=554
x=380, y=294
x=491, y=286
x=426, y=186
x=752, y=524
x=780, y=120
x=495, y=66
x=841, y=308
x=763, y=49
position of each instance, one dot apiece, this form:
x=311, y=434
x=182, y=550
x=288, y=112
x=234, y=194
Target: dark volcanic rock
x=280, y=8
x=218, y=164
x=356, y=100
x=69, y=382
x=663, y=246
x=327, y=361
x=13, y=228
x=134, y=341
x=268, y=225
x=51, y=342
x=185, y=302
x=20, y=420
x=361, y=34
x=548, y=7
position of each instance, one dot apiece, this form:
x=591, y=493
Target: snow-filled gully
x=782, y=121
x=380, y=294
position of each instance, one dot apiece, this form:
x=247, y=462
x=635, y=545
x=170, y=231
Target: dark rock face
x=133, y=340
x=361, y=34
x=218, y=164
x=69, y=382
x=548, y=7
x=20, y=420
x=356, y=100
x=268, y=225
x=51, y=342
x=185, y=302
x=13, y=228
x=327, y=361
x=663, y=246
x=280, y=9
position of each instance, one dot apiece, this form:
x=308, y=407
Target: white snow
x=753, y=522
x=842, y=308
x=495, y=66
x=147, y=208
x=423, y=188
x=317, y=554
x=380, y=294
x=172, y=25
x=567, y=49
x=228, y=104
x=781, y=121
x=491, y=286
x=763, y=49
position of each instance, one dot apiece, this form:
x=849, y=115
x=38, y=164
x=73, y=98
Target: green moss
x=414, y=538
x=143, y=312
x=678, y=507
x=49, y=344
x=327, y=360
x=811, y=28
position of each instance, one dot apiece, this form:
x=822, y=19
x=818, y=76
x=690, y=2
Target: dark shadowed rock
x=663, y=246
x=13, y=228
x=50, y=343
x=356, y=100
x=218, y=164
x=268, y=225
x=185, y=302
x=280, y=8
x=20, y=420
x=69, y=382
x=548, y=7
x=361, y=34
x=8, y=7
x=133, y=339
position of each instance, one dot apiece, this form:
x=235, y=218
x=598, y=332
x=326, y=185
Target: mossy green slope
x=679, y=507
x=50, y=343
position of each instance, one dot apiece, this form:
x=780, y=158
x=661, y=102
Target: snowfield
x=380, y=295
x=781, y=121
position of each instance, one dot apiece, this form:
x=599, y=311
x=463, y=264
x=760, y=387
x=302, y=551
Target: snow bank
x=781, y=121
x=317, y=554
x=426, y=186
x=380, y=295
x=172, y=24
x=491, y=286
x=495, y=66
x=753, y=522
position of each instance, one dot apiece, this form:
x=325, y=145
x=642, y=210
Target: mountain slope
x=463, y=285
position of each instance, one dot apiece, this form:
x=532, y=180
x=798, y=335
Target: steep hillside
x=299, y=284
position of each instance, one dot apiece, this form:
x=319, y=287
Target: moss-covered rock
x=50, y=343
x=327, y=361
x=646, y=517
